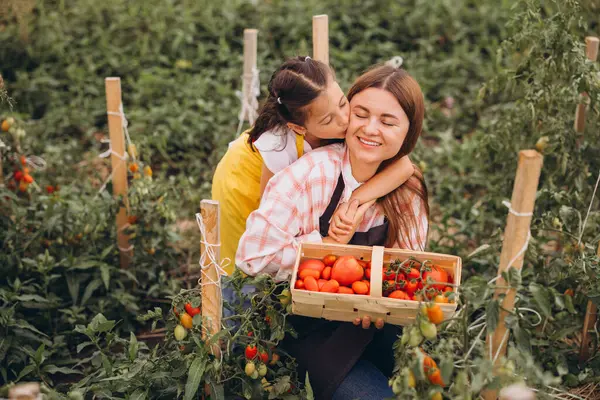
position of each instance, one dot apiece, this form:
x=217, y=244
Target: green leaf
x=309, y=391
x=541, y=298
x=105, y=272
x=446, y=368
x=195, y=374
x=83, y=345
x=89, y=290
x=133, y=346
x=39, y=355
x=53, y=369
x=569, y=304
x=492, y=317
x=26, y=371
x=139, y=394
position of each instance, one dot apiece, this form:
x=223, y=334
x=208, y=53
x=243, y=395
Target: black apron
x=329, y=349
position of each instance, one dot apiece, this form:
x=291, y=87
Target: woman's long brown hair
x=398, y=205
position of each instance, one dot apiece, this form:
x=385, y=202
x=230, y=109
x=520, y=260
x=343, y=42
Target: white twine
x=123, y=157
x=249, y=100
x=36, y=162
x=589, y=210
x=524, y=248
x=395, y=62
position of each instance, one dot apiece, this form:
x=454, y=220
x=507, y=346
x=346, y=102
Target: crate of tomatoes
x=342, y=282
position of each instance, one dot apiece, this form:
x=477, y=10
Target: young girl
x=305, y=109
x=387, y=109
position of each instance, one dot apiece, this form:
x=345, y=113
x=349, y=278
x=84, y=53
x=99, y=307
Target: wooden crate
x=347, y=307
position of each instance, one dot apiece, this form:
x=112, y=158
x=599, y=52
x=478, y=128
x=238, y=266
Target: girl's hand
x=366, y=322
x=351, y=212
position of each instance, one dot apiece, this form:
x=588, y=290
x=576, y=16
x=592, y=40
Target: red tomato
x=347, y=270
x=310, y=283
x=436, y=275
x=192, y=310
x=251, y=352
x=399, y=294
x=331, y=286
x=317, y=265
x=389, y=274
x=413, y=274
x=329, y=260
x=299, y=284
x=18, y=175
x=368, y=273
x=411, y=286
x=264, y=356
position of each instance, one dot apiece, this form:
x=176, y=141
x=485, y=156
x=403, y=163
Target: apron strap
x=299, y=145
x=335, y=199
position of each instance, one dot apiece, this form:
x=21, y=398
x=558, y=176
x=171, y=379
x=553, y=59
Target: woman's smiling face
x=378, y=126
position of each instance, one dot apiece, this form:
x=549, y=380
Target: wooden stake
x=321, y=38
x=211, y=290
x=250, y=50
x=592, y=54
x=119, y=164
x=591, y=315
x=515, y=237
x=24, y=391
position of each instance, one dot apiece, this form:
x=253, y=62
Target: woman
x=386, y=119
x=305, y=109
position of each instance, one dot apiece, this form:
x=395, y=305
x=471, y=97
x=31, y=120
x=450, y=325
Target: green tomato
x=180, y=332
x=75, y=395
x=428, y=330
x=397, y=386
x=262, y=369
x=254, y=375
x=250, y=368
x=415, y=337
x=287, y=297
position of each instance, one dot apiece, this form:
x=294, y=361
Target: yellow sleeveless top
x=236, y=185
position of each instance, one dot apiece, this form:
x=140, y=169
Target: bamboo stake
x=592, y=54
x=321, y=38
x=250, y=50
x=515, y=238
x=211, y=288
x=591, y=314
x=118, y=162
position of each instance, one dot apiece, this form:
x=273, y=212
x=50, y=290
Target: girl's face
x=328, y=114
x=378, y=126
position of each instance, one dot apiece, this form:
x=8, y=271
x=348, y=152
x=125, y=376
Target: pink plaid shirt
x=291, y=205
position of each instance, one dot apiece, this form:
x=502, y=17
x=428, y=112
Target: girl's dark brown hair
x=398, y=205
x=296, y=83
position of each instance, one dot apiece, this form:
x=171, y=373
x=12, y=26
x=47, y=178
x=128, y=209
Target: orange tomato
x=435, y=314
x=326, y=274
x=331, y=286
x=310, y=283
x=569, y=292
x=441, y=299
x=133, y=167
x=347, y=270
x=186, y=321
x=428, y=363
x=448, y=289
x=435, y=376
x=311, y=264
x=360, y=287
x=321, y=282
x=437, y=275
x=367, y=283
x=399, y=294
x=345, y=290
x=329, y=260
x=28, y=178
x=309, y=272
x=299, y=284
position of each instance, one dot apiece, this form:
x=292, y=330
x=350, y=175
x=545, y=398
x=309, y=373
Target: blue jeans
x=364, y=382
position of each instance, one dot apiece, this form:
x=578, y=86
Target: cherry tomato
x=251, y=352
x=192, y=310
x=186, y=321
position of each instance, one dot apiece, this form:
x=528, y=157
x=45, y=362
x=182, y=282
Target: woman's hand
x=366, y=322
x=346, y=219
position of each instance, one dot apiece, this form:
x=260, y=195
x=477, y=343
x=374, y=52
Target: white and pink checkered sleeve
x=273, y=232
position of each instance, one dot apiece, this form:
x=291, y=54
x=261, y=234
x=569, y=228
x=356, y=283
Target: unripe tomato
x=287, y=297
x=262, y=370
x=411, y=380
x=180, y=332
x=428, y=330
x=415, y=337
x=186, y=320
x=250, y=368
x=274, y=359
x=436, y=396
x=542, y=143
